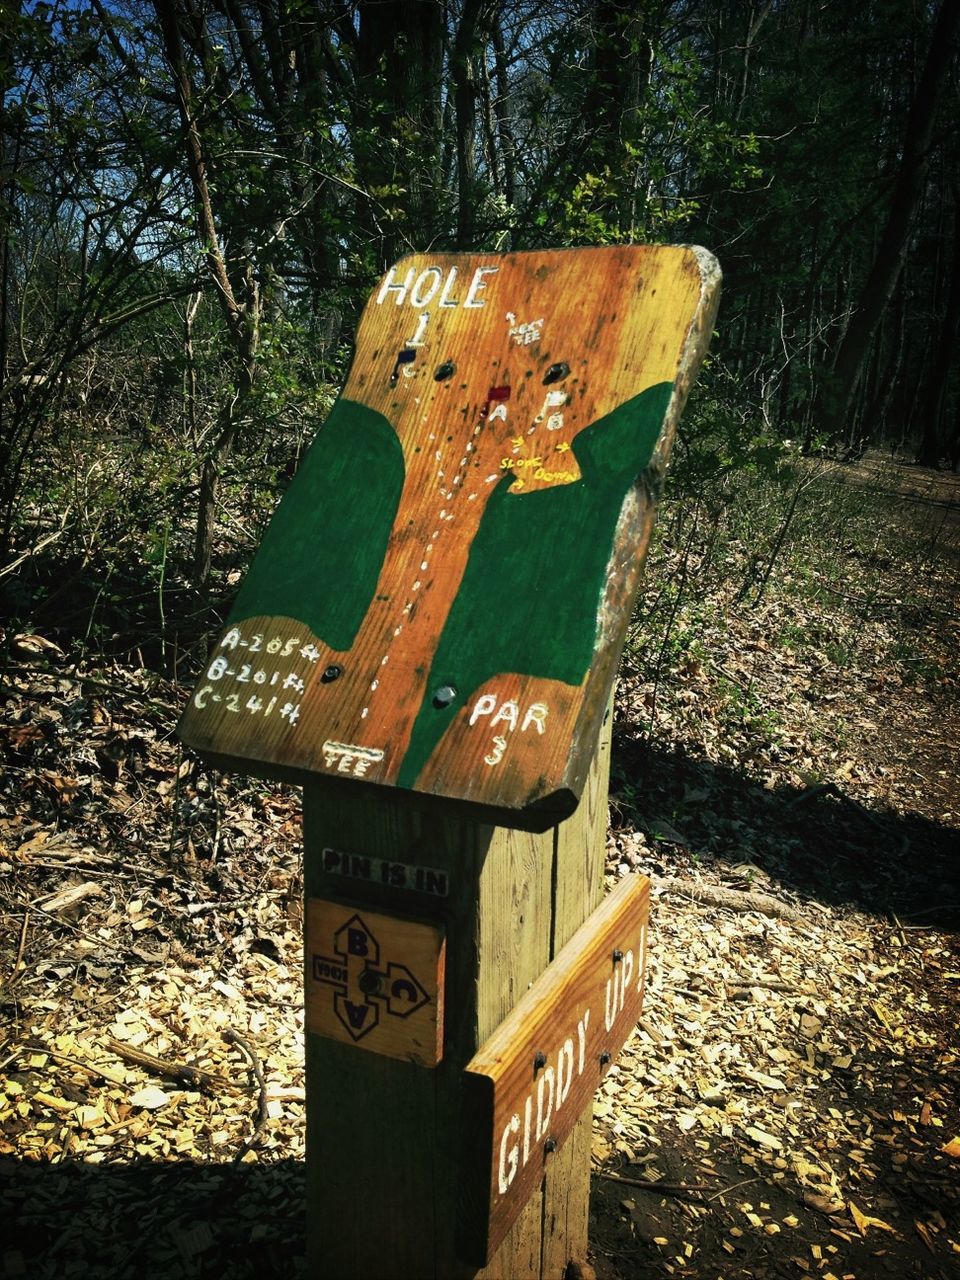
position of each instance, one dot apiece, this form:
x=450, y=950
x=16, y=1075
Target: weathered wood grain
x=385, y=1151
x=526, y=1087
x=374, y=980
x=441, y=599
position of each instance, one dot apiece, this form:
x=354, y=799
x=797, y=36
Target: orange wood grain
x=374, y=981
x=623, y=319
x=526, y=1088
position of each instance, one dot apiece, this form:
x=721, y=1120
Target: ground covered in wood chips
x=784, y=771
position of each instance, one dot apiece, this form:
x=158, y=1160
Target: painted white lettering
x=527, y=1113
x=536, y=714
x=614, y=998
x=564, y=1071
x=507, y=1170
x=582, y=1025
x=428, y=279
x=200, y=697
x=509, y=712
x=627, y=970
x=476, y=285
x=390, y=284
x=552, y=400
x=483, y=706
x=344, y=757
x=446, y=298
x=418, y=337
x=544, y=1112
x=499, y=412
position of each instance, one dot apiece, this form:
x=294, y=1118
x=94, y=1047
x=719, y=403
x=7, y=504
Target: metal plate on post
x=374, y=981
x=440, y=601
x=527, y=1087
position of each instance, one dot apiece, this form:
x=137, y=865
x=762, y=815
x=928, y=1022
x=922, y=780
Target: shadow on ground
x=177, y=1221
x=817, y=843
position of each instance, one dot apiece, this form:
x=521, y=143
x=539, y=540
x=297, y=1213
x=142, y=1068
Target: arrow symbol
x=355, y=939
x=358, y=1019
x=404, y=994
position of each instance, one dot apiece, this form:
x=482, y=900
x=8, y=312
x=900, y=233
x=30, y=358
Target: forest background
x=196, y=197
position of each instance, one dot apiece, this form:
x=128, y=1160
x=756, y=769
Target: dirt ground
x=790, y=1103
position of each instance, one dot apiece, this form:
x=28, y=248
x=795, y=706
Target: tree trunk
x=398, y=101
x=501, y=110
x=621, y=69
x=839, y=387
x=242, y=319
x=469, y=36
x=932, y=404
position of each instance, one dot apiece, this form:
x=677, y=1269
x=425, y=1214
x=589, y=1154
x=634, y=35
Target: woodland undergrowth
x=786, y=721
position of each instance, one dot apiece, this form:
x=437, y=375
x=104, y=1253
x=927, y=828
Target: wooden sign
x=526, y=1088
x=374, y=981
x=440, y=601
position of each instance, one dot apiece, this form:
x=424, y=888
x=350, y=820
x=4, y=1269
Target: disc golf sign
x=440, y=600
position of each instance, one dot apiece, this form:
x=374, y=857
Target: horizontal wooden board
x=525, y=1089
x=441, y=599
x=374, y=981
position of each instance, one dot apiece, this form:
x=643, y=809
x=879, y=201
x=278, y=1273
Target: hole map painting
x=440, y=600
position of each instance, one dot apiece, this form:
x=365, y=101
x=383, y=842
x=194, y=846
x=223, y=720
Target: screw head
x=550, y=1144
x=333, y=672
x=370, y=982
x=556, y=373
x=540, y=1060
x=617, y=956
x=445, y=371
x=443, y=696
x=604, y=1058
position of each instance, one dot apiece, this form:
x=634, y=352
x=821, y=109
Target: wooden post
x=384, y=1148
x=427, y=641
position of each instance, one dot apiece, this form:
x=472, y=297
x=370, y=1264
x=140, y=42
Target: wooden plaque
x=440, y=601
x=374, y=981
x=527, y=1087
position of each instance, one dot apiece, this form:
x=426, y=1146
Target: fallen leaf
x=150, y=1097
x=864, y=1220
x=822, y=1204
x=763, y=1139
x=33, y=644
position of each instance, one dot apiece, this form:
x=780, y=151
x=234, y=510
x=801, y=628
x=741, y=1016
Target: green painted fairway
x=529, y=597
x=321, y=556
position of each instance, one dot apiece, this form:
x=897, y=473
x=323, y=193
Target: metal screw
x=550, y=1144
x=333, y=672
x=443, y=696
x=444, y=371
x=556, y=372
x=540, y=1060
x=604, y=1058
x=370, y=982
x=617, y=956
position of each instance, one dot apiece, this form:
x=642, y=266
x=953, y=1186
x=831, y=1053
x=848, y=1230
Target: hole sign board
x=439, y=603
x=526, y=1088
